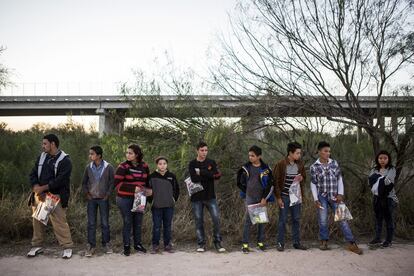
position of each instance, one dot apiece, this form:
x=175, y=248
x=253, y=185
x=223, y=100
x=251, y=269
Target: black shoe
x=386, y=244
x=261, y=246
x=375, y=242
x=300, y=246
x=140, y=248
x=219, y=248
x=280, y=247
x=127, y=250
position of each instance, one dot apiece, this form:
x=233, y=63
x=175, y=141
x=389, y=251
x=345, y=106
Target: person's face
x=93, y=156
x=383, y=160
x=253, y=158
x=202, y=152
x=46, y=146
x=325, y=153
x=162, y=165
x=296, y=154
x=130, y=155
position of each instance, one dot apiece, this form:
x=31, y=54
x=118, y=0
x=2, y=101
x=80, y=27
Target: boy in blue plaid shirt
x=328, y=190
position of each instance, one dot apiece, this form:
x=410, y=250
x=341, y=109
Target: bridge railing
x=61, y=89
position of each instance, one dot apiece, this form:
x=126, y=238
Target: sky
x=98, y=43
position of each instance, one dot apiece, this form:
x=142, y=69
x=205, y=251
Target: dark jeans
x=246, y=229
x=283, y=218
x=131, y=220
x=162, y=217
x=198, y=212
x=92, y=210
x=384, y=211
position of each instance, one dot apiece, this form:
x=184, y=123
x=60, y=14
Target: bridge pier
x=408, y=123
x=254, y=126
x=110, y=122
x=394, y=128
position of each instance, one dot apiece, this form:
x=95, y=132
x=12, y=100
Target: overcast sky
x=63, y=41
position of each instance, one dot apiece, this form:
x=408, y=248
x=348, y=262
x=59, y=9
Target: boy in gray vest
x=97, y=184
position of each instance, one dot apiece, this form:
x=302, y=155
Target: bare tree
x=4, y=72
x=325, y=56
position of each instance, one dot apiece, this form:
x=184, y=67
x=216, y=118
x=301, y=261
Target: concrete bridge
x=113, y=109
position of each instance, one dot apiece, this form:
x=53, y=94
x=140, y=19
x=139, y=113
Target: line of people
x=258, y=184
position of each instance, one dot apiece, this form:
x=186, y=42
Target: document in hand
x=45, y=208
x=192, y=187
x=342, y=212
x=140, y=200
x=257, y=213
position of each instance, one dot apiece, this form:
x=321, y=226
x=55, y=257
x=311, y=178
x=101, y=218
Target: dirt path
x=398, y=260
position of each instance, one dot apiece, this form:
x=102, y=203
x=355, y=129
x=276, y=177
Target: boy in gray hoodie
x=97, y=184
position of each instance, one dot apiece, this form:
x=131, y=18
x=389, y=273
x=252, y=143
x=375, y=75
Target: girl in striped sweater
x=131, y=174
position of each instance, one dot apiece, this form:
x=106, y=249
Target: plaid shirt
x=326, y=177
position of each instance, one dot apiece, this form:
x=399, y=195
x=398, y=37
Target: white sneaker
x=67, y=253
x=34, y=251
x=201, y=249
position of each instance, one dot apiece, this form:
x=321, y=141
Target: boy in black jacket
x=203, y=170
x=255, y=182
x=165, y=192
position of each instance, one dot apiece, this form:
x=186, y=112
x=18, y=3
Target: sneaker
x=168, y=248
x=67, y=253
x=324, y=245
x=89, y=251
x=219, y=248
x=155, y=249
x=386, y=244
x=261, y=246
x=34, y=251
x=140, y=248
x=108, y=248
x=245, y=248
x=300, y=246
x=280, y=247
x=353, y=247
x=127, y=250
x=201, y=248
x=375, y=242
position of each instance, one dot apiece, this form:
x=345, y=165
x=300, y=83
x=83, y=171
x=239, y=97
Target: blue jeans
x=162, y=216
x=246, y=230
x=323, y=220
x=131, y=220
x=283, y=218
x=384, y=211
x=92, y=209
x=198, y=212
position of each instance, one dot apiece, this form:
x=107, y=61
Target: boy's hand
x=298, y=178
x=263, y=202
x=339, y=198
x=280, y=203
x=148, y=192
x=88, y=196
x=318, y=204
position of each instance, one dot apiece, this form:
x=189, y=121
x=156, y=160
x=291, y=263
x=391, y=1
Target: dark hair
x=293, y=146
x=98, y=150
x=377, y=164
x=52, y=138
x=137, y=150
x=161, y=158
x=201, y=145
x=257, y=151
x=323, y=144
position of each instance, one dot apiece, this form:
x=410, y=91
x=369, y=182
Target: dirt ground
x=398, y=260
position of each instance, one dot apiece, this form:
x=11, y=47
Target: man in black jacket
x=51, y=173
x=204, y=171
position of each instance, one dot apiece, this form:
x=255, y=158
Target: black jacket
x=165, y=189
x=59, y=184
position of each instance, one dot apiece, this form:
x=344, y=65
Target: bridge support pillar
x=394, y=128
x=110, y=122
x=358, y=134
x=408, y=123
x=254, y=126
